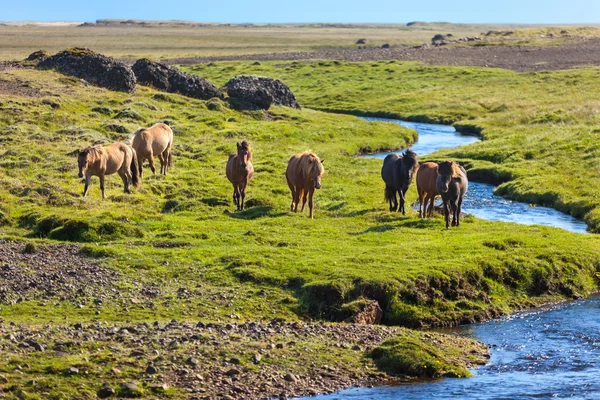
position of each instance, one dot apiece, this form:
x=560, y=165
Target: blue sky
x=519, y=11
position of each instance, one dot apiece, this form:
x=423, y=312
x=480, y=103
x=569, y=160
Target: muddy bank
x=516, y=58
x=205, y=360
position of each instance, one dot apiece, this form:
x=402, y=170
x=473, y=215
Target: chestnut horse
x=101, y=161
x=426, y=177
x=303, y=175
x=239, y=171
x=452, y=184
x=154, y=141
x=397, y=173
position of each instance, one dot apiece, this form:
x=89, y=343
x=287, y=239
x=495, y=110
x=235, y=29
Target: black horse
x=397, y=173
x=452, y=184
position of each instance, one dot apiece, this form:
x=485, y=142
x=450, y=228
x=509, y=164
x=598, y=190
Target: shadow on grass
x=376, y=229
x=254, y=213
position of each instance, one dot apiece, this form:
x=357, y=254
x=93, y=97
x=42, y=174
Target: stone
x=169, y=79
x=105, y=391
x=251, y=92
x=95, y=68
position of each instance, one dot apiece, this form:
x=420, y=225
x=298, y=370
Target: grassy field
x=17, y=42
x=540, y=129
x=180, y=237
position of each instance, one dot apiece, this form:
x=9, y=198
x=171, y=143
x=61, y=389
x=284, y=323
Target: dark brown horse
x=397, y=173
x=303, y=176
x=426, y=178
x=239, y=171
x=452, y=184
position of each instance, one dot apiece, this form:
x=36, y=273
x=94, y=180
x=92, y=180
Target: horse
x=397, y=173
x=101, y=161
x=303, y=175
x=239, y=171
x=452, y=184
x=156, y=140
x=426, y=178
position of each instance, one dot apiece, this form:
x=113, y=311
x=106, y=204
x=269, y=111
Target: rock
x=232, y=372
x=369, y=313
x=361, y=41
x=3, y=379
x=235, y=361
x=95, y=68
x=170, y=79
x=280, y=345
x=385, y=46
x=250, y=92
x=290, y=378
x=192, y=361
x=71, y=371
x=131, y=389
x=105, y=391
x=151, y=369
x=256, y=358
x=39, y=55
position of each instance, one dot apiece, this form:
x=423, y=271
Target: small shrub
x=102, y=110
x=128, y=113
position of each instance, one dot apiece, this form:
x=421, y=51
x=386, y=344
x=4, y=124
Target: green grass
x=420, y=273
x=540, y=128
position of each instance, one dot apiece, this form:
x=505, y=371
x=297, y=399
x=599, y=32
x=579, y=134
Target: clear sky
x=260, y=11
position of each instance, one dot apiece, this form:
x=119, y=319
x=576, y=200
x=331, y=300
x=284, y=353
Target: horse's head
x=446, y=171
x=409, y=165
x=83, y=159
x=243, y=153
x=317, y=170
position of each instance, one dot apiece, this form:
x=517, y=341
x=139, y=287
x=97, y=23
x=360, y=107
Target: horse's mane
x=95, y=151
x=410, y=158
x=310, y=164
x=452, y=168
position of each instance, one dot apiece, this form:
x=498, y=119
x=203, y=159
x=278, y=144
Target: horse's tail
x=135, y=172
x=388, y=193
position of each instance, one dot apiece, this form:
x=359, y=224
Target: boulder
x=169, y=79
x=385, y=46
x=361, y=41
x=95, y=68
x=38, y=56
x=250, y=92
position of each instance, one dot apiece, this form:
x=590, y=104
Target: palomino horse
x=452, y=184
x=397, y=173
x=303, y=174
x=101, y=161
x=426, y=177
x=239, y=171
x=154, y=141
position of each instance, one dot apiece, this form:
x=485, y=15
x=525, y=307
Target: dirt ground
x=583, y=52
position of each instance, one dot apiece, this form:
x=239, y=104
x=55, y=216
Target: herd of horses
x=303, y=174
x=447, y=179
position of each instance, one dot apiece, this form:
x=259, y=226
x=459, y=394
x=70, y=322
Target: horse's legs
x=126, y=181
x=311, y=205
x=151, y=161
x=446, y=212
x=459, y=210
x=299, y=193
x=87, y=184
x=243, y=193
x=421, y=199
x=166, y=156
x=102, y=185
x=431, y=204
x=401, y=193
x=293, y=197
x=235, y=197
x=140, y=157
x=162, y=162
x=304, y=200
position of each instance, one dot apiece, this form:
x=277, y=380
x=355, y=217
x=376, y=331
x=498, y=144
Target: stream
x=480, y=199
x=553, y=352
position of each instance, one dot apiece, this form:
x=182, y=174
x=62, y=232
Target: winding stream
x=480, y=199
x=549, y=353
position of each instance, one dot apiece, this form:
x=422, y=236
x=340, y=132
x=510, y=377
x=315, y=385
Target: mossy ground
x=180, y=232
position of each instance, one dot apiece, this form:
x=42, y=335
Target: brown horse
x=154, y=141
x=101, y=161
x=303, y=174
x=426, y=177
x=452, y=184
x=239, y=171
